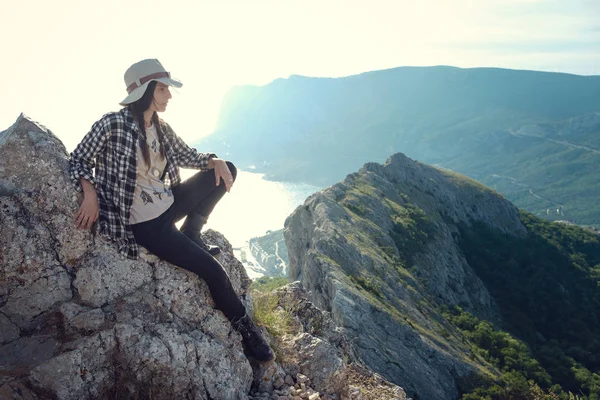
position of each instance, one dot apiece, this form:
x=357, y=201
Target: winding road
x=575, y=146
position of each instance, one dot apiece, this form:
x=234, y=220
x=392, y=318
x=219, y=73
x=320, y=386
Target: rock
x=264, y=377
x=289, y=380
x=384, y=295
x=27, y=352
x=16, y=391
x=318, y=354
x=9, y=330
x=278, y=383
x=87, y=321
x=78, y=320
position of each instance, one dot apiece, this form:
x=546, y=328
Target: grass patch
x=411, y=231
x=368, y=284
x=267, y=311
x=465, y=181
x=267, y=284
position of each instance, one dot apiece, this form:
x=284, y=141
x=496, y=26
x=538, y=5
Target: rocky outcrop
x=315, y=360
x=79, y=321
x=379, y=251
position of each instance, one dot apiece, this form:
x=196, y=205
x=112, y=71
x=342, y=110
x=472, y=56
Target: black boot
x=197, y=238
x=192, y=227
x=252, y=339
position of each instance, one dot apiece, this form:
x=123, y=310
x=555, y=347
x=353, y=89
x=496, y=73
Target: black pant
x=198, y=195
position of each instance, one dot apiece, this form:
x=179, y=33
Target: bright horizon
x=64, y=61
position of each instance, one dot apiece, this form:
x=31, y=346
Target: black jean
x=198, y=195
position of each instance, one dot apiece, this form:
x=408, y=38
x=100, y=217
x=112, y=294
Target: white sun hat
x=140, y=74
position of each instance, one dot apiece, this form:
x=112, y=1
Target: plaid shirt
x=110, y=148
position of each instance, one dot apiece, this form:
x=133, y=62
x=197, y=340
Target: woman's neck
x=148, y=118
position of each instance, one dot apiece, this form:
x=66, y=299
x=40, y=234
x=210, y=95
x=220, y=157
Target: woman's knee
x=214, y=274
x=232, y=169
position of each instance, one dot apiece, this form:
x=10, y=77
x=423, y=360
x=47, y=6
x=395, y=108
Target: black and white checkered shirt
x=110, y=148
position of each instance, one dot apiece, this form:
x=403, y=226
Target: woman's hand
x=221, y=171
x=88, y=211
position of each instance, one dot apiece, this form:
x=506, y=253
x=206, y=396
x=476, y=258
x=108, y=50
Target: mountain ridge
x=402, y=254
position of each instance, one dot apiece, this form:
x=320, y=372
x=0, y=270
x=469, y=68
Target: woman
x=137, y=196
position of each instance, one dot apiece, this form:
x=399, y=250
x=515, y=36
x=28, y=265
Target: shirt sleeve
x=186, y=156
x=83, y=159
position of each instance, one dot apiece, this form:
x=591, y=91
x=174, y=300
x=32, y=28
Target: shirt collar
x=130, y=123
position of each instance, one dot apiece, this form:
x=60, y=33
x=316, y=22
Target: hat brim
x=137, y=93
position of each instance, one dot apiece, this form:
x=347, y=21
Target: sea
x=252, y=207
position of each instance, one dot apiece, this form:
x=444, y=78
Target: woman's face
x=162, y=94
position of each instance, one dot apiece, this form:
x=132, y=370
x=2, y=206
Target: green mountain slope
x=502, y=127
x=447, y=289
x=547, y=287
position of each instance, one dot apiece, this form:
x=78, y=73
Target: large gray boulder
x=80, y=321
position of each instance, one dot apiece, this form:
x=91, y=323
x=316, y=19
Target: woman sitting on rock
x=137, y=196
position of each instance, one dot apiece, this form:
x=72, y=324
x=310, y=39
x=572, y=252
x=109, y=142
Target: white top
x=151, y=197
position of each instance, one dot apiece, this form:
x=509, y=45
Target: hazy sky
x=63, y=60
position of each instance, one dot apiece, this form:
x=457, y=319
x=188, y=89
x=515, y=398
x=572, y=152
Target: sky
x=63, y=60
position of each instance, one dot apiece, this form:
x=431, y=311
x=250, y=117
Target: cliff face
x=380, y=252
x=78, y=321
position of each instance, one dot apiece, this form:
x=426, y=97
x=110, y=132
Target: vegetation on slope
x=547, y=287
x=523, y=378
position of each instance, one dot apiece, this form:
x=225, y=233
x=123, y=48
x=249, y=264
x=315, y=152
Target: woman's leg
x=163, y=239
x=197, y=196
x=195, y=199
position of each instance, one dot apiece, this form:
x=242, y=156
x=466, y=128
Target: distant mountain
x=534, y=136
x=447, y=289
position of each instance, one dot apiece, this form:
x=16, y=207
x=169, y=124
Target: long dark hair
x=138, y=108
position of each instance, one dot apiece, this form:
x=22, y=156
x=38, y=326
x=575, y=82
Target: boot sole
x=249, y=355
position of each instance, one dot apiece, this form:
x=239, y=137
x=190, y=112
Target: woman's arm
x=89, y=210
x=186, y=157
x=83, y=158
x=221, y=171
x=81, y=164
